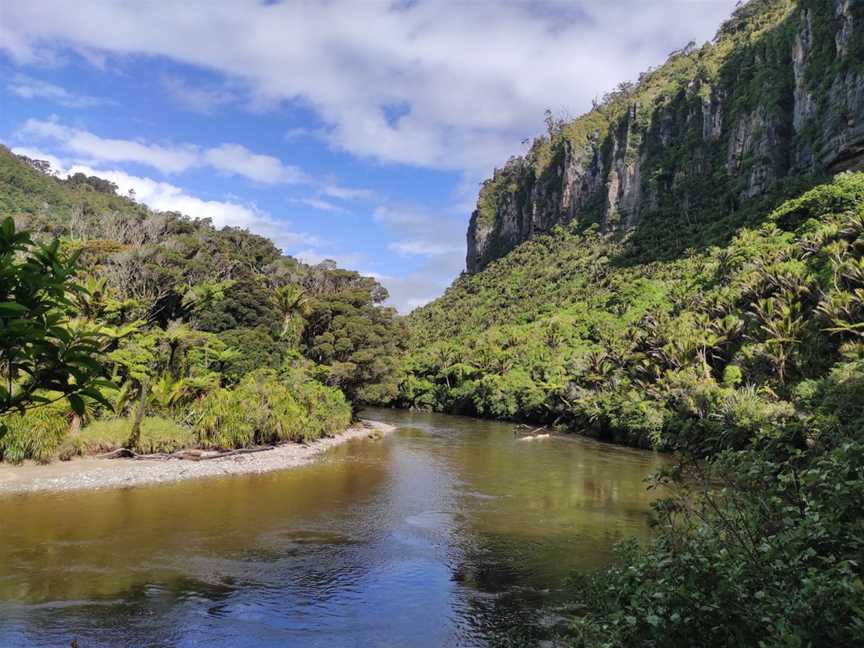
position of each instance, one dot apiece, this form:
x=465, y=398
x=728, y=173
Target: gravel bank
x=92, y=473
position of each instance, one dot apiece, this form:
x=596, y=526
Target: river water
x=448, y=532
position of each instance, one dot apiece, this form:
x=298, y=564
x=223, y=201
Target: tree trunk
x=135, y=434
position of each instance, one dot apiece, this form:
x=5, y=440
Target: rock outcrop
x=779, y=92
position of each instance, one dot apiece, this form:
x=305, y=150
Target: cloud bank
x=436, y=83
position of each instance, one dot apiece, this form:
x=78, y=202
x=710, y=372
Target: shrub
x=35, y=434
x=263, y=409
x=732, y=376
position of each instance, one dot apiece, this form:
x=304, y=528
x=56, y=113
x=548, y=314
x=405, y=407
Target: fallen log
x=188, y=454
x=517, y=430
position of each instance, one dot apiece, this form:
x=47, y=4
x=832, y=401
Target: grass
x=157, y=435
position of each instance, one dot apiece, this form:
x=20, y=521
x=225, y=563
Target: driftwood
x=517, y=430
x=190, y=455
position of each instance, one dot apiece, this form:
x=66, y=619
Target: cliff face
x=779, y=92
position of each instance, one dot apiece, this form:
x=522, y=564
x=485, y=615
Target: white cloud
x=347, y=193
x=30, y=88
x=299, y=132
x=421, y=233
x=421, y=286
x=425, y=248
x=228, y=158
x=321, y=205
x=168, y=159
x=438, y=239
x=58, y=165
x=437, y=83
x=235, y=159
x=313, y=256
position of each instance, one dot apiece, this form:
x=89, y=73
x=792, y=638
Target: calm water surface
x=447, y=533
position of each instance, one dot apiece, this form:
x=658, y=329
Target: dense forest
x=712, y=308
x=203, y=337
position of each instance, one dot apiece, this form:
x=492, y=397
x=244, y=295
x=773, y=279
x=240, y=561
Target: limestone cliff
x=779, y=92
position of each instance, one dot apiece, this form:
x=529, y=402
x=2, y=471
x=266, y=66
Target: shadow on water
x=448, y=532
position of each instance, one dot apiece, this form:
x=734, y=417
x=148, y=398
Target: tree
x=782, y=324
x=41, y=350
x=356, y=340
x=292, y=305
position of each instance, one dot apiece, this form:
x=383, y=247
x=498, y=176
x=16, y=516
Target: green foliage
x=568, y=328
x=766, y=552
x=35, y=433
x=263, y=409
x=40, y=348
x=158, y=434
x=254, y=348
x=357, y=342
x=175, y=310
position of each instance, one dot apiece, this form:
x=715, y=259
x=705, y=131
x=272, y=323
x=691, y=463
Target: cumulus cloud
x=238, y=160
x=419, y=287
x=29, y=88
x=228, y=158
x=437, y=240
x=314, y=256
x=346, y=193
x=435, y=83
x=58, y=165
x=168, y=159
x=425, y=248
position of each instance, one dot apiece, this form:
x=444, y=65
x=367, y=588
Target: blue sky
x=356, y=131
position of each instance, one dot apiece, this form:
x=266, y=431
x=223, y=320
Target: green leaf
x=98, y=397
x=10, y=309
x=77, y=404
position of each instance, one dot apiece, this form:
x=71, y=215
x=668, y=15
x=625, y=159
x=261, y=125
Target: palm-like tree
x=782, y=322
x=845, y=311
x=291, y=302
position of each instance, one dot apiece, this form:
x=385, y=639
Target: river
x=448, y=532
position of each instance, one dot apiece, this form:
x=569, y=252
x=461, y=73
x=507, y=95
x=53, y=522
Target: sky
x=357, y=131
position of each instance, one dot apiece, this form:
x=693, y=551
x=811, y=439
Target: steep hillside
x=779, y=93
x=568, y=328
x=621, y=324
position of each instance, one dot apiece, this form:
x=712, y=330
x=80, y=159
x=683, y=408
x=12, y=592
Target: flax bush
x=267, y=409
x=36, y=434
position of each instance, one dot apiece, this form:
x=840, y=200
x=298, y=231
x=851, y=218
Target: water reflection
x=448, y=532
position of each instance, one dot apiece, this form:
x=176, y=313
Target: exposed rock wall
x=780, y=91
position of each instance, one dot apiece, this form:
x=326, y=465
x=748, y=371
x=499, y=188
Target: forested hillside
x=598, y=315
x=683, y=269
x=210, y=337
x=575, y=330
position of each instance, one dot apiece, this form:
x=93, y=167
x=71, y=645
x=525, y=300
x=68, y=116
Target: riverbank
x=91, y=473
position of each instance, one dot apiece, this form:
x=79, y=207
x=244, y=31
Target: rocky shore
x=93, y=473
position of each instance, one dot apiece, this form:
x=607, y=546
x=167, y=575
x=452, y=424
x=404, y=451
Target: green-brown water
x=447, y=532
